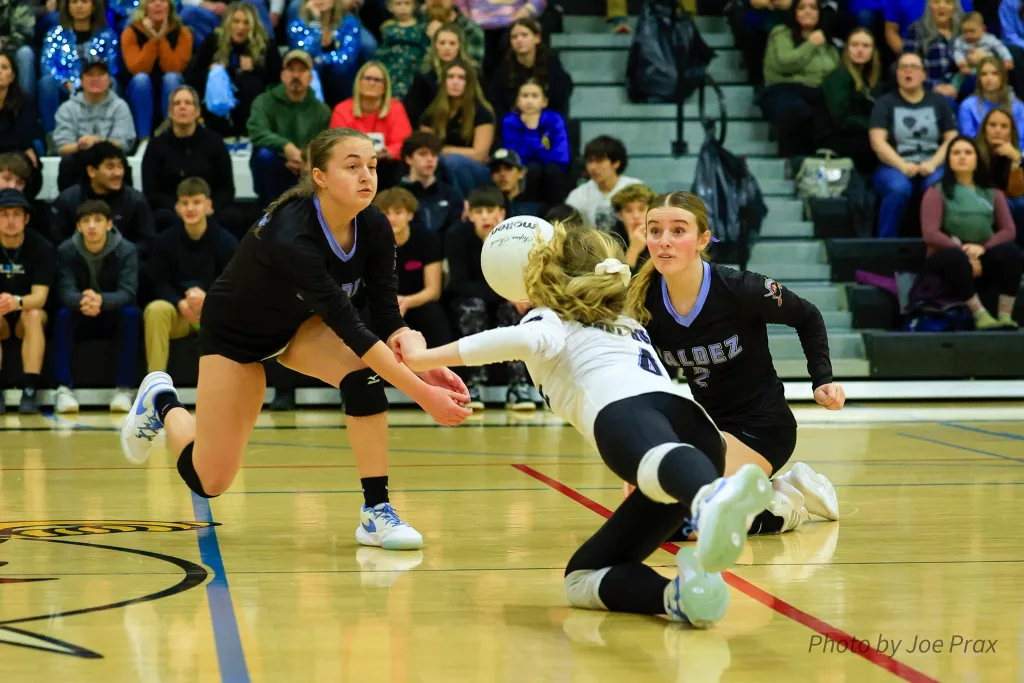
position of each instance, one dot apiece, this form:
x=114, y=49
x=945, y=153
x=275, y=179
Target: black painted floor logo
x=63, y=533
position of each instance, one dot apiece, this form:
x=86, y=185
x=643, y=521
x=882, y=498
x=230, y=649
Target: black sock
x=164, y=402
x=634, y=588
x=30, y=383
x=375, y=490
x=766, y=523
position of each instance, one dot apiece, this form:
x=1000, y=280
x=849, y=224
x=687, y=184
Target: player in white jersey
x=597, y=369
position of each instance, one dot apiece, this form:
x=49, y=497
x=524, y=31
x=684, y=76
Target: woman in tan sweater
x=156, y=47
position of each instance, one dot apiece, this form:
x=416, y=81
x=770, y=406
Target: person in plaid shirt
x=931, y=37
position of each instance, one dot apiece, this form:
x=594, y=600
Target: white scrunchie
x=614, y=266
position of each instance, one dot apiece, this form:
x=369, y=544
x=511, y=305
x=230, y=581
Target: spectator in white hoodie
x=606, y=161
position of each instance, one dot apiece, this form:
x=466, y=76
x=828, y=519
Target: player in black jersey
x=711, y=321
x=292, y=291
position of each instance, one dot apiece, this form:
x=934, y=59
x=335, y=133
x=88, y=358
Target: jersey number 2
x=648, y=363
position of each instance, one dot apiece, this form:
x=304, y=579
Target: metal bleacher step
x=842, y=368
x=788, y=271
x=825, y=295
x=659, y=164
x=786, y=344
x=607, y=65
x=811, y=252
x=838, y=321
x=608, y=41
x=655, y=137
x=591, y=102
x=594, y=23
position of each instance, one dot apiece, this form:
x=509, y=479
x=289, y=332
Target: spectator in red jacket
x=372, y=110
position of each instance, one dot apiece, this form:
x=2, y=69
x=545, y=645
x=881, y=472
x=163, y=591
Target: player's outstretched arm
x=444, y=405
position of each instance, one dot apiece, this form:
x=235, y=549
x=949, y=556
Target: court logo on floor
x=70, y=535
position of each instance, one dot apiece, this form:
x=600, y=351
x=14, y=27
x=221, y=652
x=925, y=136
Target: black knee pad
x=188, y=472
x=364, y=395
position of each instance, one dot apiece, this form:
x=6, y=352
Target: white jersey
x=579, y=369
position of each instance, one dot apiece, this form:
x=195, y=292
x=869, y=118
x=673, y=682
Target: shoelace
x=389, y=515
x=149, y=430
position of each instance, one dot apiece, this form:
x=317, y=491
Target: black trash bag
x=733, y=198
x=665, y=43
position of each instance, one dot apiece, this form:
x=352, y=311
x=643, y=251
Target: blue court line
x=979, y=430
x=959, y=447
x=230, y=655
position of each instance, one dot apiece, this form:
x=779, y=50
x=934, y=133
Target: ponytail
x=636, y=297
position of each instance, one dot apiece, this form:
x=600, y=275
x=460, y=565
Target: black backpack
x=668, y=59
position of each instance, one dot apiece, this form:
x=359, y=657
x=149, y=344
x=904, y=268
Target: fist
x=830, y=396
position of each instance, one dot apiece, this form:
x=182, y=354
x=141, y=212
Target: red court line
x=855, y=646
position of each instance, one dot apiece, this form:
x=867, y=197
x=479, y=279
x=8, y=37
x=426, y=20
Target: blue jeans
x=25, y=60
x=202, y=22
x=123, y=325
x=895, y=190
x=270, y=177
x=140, y=97
x=465, y=174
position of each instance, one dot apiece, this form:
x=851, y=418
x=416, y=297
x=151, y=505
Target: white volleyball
x=506, y=252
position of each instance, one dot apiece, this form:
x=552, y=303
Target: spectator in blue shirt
x=538, y=135
x=332, y=37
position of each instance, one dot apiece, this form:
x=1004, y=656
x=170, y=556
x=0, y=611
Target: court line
x=958, y=446
x=589, y=488
x=858, y=647
x=979, y=430
x=228, y=641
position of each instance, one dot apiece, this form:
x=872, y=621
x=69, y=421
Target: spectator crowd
x=466, y=102
x=469, y=110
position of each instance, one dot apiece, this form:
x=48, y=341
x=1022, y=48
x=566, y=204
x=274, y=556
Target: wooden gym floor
x=110, y=572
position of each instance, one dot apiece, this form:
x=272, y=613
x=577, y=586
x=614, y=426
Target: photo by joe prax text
x=953, y=644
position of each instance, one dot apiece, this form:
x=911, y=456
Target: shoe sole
x=476, y=405
x=521, y=407
x=374, y=540
x=703, y=596
x=129, y=421
x=724, y=521
x=810, y=483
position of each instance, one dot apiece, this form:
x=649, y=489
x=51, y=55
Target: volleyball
x=506, y=252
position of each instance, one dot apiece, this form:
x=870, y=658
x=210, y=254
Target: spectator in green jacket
x=282, y=122
x=850, y=92
x=798, y=58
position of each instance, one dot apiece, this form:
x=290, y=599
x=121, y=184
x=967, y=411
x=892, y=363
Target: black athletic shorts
x=215, y=341
x=775, y=443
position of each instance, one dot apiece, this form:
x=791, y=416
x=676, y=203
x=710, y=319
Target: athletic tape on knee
x=364, y=394
x=188, y=472
x=647, y=473
x=582, y=588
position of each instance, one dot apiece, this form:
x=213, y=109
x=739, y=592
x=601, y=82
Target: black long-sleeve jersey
x=722, y=345
x=289, y=268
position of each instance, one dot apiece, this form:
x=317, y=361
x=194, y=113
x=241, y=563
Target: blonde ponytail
x=561, y=276
x=637, y=295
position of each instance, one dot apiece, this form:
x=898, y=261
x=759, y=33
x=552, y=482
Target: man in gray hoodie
x=95, y=113
x=97, y=281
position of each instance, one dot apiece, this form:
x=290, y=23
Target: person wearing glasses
x=373, y=110
x=910, y=130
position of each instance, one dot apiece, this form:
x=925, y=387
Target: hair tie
x=613, y=266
